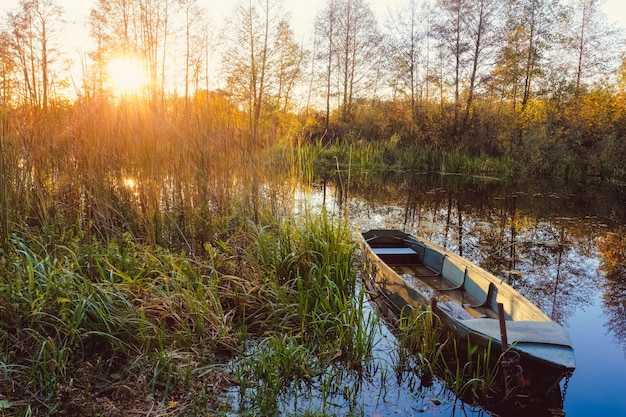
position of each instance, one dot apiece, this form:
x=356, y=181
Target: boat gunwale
x=466, y=323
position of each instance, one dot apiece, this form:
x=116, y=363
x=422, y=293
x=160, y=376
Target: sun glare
x=126, y=75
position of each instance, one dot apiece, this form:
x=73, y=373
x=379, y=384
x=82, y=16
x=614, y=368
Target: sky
x=302, y=11
x=302, y=15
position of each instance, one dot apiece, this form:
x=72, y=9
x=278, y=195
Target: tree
x=262, y=63
x=7, y=67
x=524, y=46
x=358, y=47
x=133, y=29
x=113, y=27
x=480, y=22
x=451, y=34
x=196, y=47
x=34, y=29
x=590, y=40
x=325, y=29
x=154, y=23
x=350, y=31
x=406, y=36
x=288, y=63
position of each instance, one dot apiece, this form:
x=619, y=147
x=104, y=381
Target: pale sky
x=302, y=15
x=302, y=11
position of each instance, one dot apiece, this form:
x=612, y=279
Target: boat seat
x=490, y=299
x=394, y=251
x=433, y=259
x=453, y=274
x=397, y=255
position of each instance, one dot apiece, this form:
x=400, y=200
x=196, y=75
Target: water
x=546, y=241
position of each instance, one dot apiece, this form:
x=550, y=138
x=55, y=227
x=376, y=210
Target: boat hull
x=393, y=263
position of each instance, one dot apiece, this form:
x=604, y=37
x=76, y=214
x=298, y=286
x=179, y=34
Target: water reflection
x=613, y=263
x=564, y=249
x=545, y=250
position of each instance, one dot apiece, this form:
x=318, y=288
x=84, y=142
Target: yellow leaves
x=613, y=253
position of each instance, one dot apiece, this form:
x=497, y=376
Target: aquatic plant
x=465, y=369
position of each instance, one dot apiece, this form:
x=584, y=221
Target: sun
x=126, y=76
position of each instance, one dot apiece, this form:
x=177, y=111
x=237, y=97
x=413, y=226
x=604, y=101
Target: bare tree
x=35, y=28
x=138, y=29
x=405, y=44
x=358, y=47
x=113, y=27
x=481, y=24
x=7, y=68
x=196, y=49
x=451, y=33
x=592, y=42
x=325, y=30
x=262, y=62
x=349, y=30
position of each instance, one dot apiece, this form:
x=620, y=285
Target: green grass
x=363, y=156
x=466, y=370
x=81, y=322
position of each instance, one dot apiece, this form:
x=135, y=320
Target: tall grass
x=390, y=155
x=84, y=318
x=464, y=368
x=315, y=320
x=69, y=333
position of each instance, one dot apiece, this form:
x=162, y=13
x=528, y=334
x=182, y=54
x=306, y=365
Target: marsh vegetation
x=153, y=256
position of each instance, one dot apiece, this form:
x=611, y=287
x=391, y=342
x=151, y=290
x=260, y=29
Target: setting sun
x=126, y=75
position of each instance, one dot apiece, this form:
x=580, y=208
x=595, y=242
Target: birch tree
x=407, y=31
x=451, y=33
x=524, y=47
x=591, y=42
x=481, y=24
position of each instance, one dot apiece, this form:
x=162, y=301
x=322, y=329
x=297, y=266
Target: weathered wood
x=470, y=301
x=503, y=337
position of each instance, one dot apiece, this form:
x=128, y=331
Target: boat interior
x=452, y=282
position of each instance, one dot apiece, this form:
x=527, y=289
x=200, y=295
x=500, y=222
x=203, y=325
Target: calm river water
x=564, y=248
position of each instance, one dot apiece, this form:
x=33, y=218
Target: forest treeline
x=538, y=84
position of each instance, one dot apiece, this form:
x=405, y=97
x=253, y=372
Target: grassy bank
x=388, y=155
x=123, y=328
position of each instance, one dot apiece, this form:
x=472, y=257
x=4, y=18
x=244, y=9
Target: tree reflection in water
x=544, y=245
x=613, y=263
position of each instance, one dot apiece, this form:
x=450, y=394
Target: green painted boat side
x=412, y=272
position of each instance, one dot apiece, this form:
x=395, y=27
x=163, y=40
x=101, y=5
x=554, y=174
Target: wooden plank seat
x=397, y=255
x=394, y=251
x=487, y=307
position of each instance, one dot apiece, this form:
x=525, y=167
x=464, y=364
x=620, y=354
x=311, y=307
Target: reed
x=388, y=154
x=85, y=319
x=317, y=327
x=465, y=369
x=421, y=337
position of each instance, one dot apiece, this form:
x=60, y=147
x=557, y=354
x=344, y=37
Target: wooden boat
x=412, y=272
